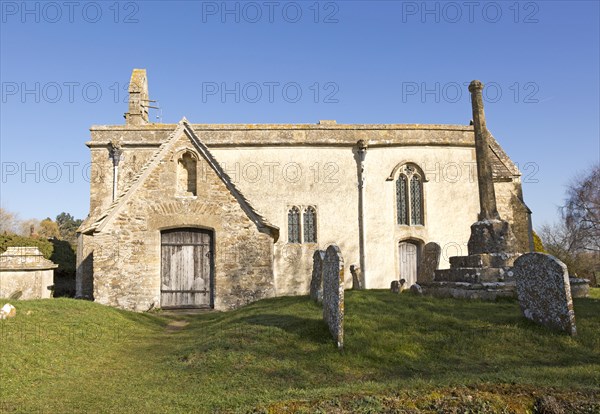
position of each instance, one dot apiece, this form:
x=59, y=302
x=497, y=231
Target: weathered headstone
x=580, y=288
x=316, y=282
x=416, y=289
x=333, y=293
x=543, y=291
x=429, y=263
x=356, y=277
x=395, y=286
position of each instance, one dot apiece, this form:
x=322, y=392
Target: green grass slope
x=70, y=356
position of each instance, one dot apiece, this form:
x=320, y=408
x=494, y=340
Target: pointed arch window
x=186, y=174
x=402, y=199
x=416, y=197
x=294, y=225
x=409, y=196
x=310, y=225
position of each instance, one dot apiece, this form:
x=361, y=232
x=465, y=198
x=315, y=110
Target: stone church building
x=220, y=215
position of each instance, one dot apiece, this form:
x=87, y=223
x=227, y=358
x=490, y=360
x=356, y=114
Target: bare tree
x=575, y=239
x=582, y=209
x=9, y=222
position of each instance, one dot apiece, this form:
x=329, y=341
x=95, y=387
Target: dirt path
x=176, y=326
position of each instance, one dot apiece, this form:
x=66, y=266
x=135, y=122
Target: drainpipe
x=115, y=152
x=362, y=153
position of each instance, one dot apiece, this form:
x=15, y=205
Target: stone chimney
x=138, y=98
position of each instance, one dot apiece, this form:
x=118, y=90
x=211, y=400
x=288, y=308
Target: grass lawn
x=402, y=353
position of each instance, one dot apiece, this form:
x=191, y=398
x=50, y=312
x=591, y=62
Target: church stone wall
x=512, y=209
x=276, y=178
x=127, y=270
x=451, y=203
x=450, y=199
x=279, y=166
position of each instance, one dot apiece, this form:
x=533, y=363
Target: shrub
x=12, y=240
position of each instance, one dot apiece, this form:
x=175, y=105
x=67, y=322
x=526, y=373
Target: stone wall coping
x=254, y=127
x=24, y=258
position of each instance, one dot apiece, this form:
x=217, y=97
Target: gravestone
x=544, y=292
x=429, y=263
x=356, y=277
x=416, y=289
x=316, y=282
x=333, y=293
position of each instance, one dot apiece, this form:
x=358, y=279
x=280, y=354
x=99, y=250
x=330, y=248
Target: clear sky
x=64, y=66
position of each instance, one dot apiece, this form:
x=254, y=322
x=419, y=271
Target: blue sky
x=65, y=67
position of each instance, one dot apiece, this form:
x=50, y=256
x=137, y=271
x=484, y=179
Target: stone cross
x=487, y=196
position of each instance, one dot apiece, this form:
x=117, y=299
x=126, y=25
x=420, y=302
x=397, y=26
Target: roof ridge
x=502, y=155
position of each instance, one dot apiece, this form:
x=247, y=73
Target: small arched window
x=294, y=225
x=186, y=174
x=409, y=197
x=310, y=225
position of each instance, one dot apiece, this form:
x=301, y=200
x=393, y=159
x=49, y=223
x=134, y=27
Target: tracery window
x=294, y=225
x=302, y=229
x=310, y=225
x=409, y=197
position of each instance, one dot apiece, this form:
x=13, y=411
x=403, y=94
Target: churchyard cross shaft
x=487, y=196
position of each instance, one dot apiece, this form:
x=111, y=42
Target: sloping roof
x=503, y=168
x=182, y=127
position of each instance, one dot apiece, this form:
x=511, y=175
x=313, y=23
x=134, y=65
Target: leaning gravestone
x=429, y=263
x=356, y=277
x=316, y=282
x=543, y=291
x=333, y=293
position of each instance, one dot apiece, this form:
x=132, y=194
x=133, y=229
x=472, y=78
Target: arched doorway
x=186, y=268
x=408, y=258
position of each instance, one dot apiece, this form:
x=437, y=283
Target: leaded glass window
x=310, y=225
x=409, y=196
x=294, y=225
x=402, y=200
x=416, y=211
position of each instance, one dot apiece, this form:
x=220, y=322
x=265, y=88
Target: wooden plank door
x=186, y=268
x=408, y=263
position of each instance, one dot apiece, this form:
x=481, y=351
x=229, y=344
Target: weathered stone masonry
x=119, y=256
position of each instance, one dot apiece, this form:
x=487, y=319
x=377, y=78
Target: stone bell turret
x=139, y=100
